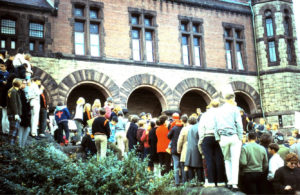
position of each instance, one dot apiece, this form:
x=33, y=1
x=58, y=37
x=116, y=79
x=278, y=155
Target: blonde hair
x=117, y=109
x=27, y=57
x=80, y=101
x=141, y=123
x=97, y=104
x=87, y=106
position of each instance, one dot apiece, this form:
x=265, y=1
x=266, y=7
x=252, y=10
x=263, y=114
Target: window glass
x=94, y=29
x=148, y=35
x=269, y=26
x=8, y=26
x=79, y=43
x=2, y=44
x=31, y=46
x=95, y=45
x=136, y=49
x=272, y=51
x=196, y=41
x=268, y=13
x=184, y=40
x=286, y=24
x=227, y=32
x=185, y=50
x=135, y=34
x=134, y=20
x=196, y=28
x=36, y=30
x=183, y=26
x=237, y=34
x=147, y=21
x=41, y=47
x=289, y=51
x=228, y=55
x=79, y=27
x=93, y=14
x=149, y=50
x=197, y=55
x=13, y=44
x=239, y=56
x=78, y=11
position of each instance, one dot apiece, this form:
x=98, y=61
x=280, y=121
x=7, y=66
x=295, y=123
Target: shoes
x=209, y=185
x=221, y=184
x=42, y=135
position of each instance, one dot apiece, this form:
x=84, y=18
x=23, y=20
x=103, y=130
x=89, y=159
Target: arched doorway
x=146, y=99
x=245, y=102
x=193, y=99
x=89, y=91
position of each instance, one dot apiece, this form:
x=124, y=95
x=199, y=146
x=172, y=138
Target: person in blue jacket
x=62, y=115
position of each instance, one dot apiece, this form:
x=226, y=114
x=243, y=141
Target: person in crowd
x=145, y=140
x=250, y=125
x=4, y=74
x=275, y=161
x=52, y=125
x=88, y=143
x=120, y=132
x=139, y=133
x=78, y=118
x=211, y=148
x=153, y=158
x=173, y=135
x=14, y=110
x=112, y=139
x=28, y=70
x=131, y=133
x=3, y=55
x=274, y=129
x=101, y=132
x=229, y=133
x=162, y=144
x=43, y=115
x=295, y=148
x=261, y=127
x=148, y=118
x=87, y=114
x=265, y=140
x=193, y=158
x=287, y=178
x=115, y=112
x=24, y=129
x=19, y=58
x=96, y=108
x=254, y=161
x=182, y=146
x=245, y=119
x=199, y=114
x=34, y=92
x=62, y=115
x=9, y=64
x=291, y=141
x=108, y=107
x=283, y=150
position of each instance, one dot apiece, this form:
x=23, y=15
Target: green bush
x=43, y=169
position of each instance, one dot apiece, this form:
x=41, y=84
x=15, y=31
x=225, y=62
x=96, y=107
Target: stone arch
x=158, y=86
x=88, y=76
x=193, y=84
x=252, y=96
x=49, y=83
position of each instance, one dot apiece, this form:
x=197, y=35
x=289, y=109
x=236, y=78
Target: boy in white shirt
x=275, y=161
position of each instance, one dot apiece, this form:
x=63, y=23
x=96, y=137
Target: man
x=229, y=133
x=275, y=161
x=283, y=150
x=254, y=161
x=295, y=148
x=4, y=74
x=62, y=115
x=43, y=115
x=34, y=92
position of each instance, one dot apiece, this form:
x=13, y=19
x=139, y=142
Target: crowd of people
x=220, y=147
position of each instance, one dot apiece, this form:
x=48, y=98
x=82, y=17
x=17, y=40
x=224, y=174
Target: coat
x=182, y=142
x=26, y=114
x=193, y=156
x=285, y=176
x=131, y=136
x=162, y=138
x=173, y=135
x=153, y=143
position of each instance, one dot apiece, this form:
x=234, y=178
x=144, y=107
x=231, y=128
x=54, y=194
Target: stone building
x=161, y=55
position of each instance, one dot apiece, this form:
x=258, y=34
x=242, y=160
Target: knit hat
x=175, y=116
x=279, y=138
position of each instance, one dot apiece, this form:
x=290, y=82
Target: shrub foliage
x=43, y=169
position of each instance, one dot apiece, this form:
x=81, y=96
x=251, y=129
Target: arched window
x=271, y=42
x=288, y=34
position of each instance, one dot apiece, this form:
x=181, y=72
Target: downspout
x=257, y=64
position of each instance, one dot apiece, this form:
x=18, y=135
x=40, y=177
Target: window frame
x=87, y=7
x=189, y=23
x=233, y=39
x=143, y=15
x=7, y=39
x=289, y=38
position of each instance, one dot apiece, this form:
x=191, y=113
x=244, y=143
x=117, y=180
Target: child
x=275, y=161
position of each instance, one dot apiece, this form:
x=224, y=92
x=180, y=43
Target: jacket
x=131, y=135
x=162, y=138
x=182, y=142
x=285, y=176
x=173, y=135
x=153, y=143
x=26, y=114
x=193, y=157
x=14, y=105
x=101, y=125
x=62, y=114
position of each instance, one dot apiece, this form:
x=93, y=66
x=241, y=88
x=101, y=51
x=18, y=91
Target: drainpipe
x=258, y=68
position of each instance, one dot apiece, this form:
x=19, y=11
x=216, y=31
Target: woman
x=153, y=158
x=131, y=133
x=162, y=144
x=87, y=114
x=287, y=178
x=211, y=148
x=78, y=118
x=96, y=108
x=193, y=158
x=145, y=141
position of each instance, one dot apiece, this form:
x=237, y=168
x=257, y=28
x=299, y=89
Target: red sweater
x=162, y=138
x=145, y=139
